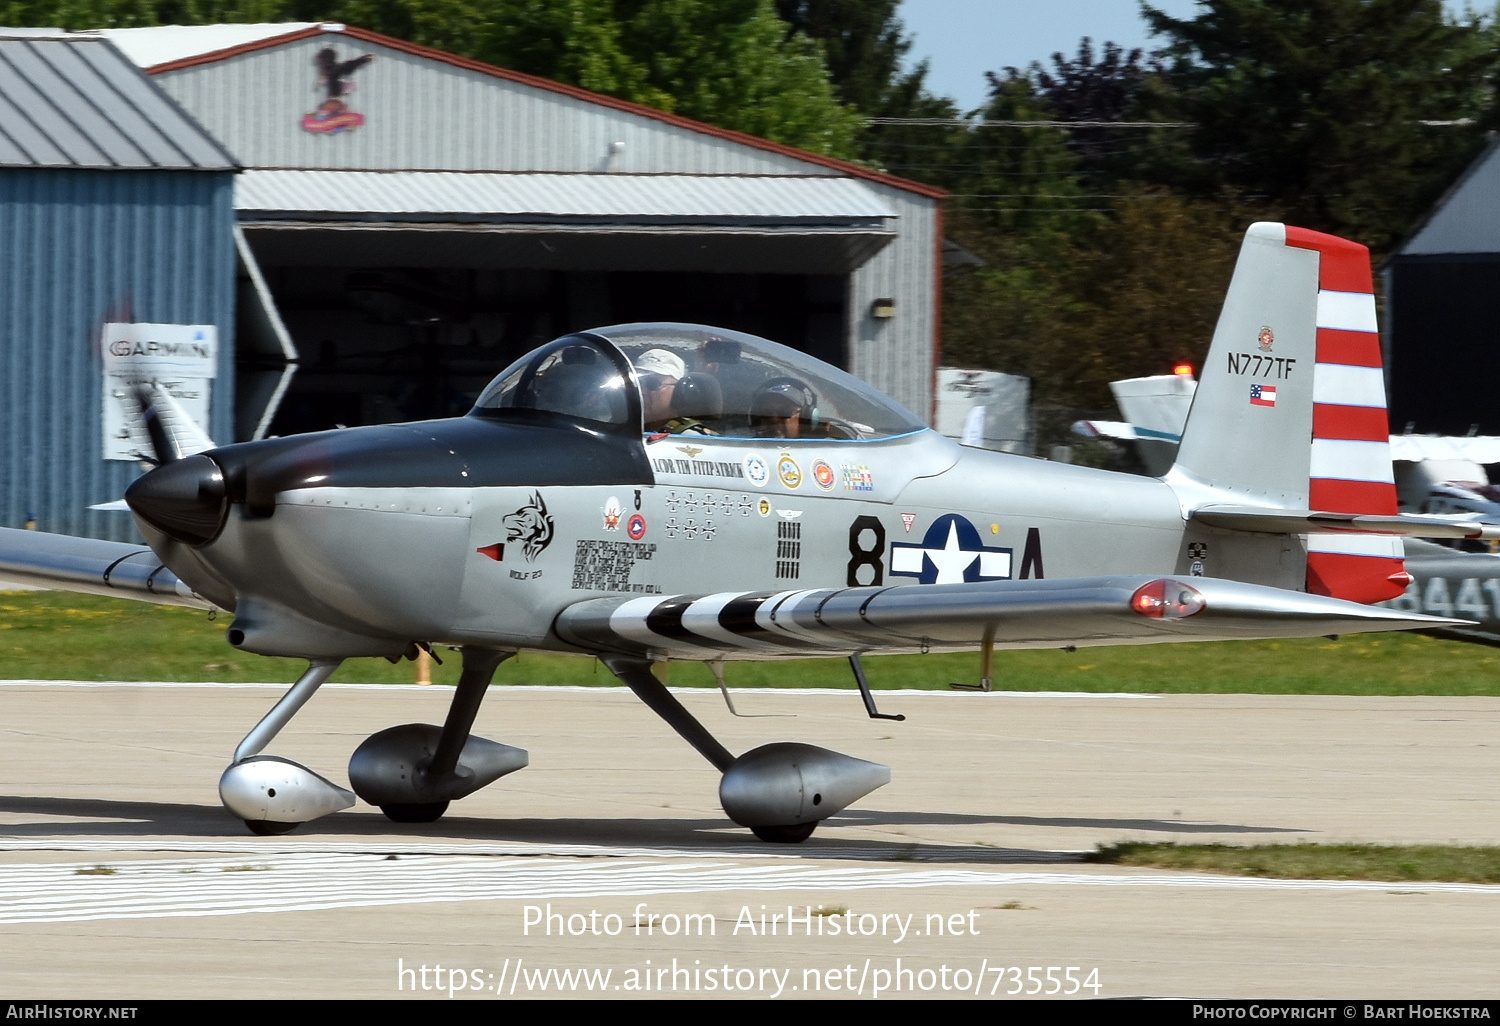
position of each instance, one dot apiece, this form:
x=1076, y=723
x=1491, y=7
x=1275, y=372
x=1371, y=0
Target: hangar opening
x=376, y=345
x=379, y=300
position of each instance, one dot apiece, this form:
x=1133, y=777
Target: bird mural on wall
x=333, y=114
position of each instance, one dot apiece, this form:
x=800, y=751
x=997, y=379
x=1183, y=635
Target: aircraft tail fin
x=1290, y=411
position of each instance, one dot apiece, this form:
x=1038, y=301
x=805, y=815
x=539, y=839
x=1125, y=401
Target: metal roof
x=199, y=47
x=163, y=44
x=452, y=196
x=1467, y=218
x=77, y=102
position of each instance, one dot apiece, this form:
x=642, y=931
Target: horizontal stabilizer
x=1131, y=610
x=91, y=566
x=1261, y=520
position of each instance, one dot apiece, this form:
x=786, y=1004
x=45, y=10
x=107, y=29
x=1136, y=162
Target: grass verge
x=1397, y=863
x=60, y=636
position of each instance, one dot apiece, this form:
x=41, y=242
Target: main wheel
x=425, y=812
x=267, y=828
x=785, y=834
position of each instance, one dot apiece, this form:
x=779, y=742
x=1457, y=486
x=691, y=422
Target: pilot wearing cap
x=658, y=371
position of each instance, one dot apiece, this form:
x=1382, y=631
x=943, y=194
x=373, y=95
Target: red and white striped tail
x=1350, y=470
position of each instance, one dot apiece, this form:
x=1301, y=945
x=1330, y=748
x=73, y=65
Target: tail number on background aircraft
x=1433, y=596
x=1257, y=366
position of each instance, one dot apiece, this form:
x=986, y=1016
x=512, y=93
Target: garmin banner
x=181, y=358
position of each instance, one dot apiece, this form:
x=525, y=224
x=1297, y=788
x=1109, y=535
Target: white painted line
x=57, y=893
x=581, y=689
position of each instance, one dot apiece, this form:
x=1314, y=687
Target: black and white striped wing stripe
x=1022, y=614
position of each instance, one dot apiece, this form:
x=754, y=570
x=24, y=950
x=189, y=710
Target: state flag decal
x=1262, y=395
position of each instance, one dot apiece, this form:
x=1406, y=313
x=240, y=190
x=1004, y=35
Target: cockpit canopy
x=691, y=379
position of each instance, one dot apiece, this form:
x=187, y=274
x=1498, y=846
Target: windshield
x=577, y=375
x=710, y=381
x=692, y=379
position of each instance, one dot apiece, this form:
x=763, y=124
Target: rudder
x=1290, y=412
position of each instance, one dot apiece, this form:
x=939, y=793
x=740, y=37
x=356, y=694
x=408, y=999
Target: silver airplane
x=649, y=492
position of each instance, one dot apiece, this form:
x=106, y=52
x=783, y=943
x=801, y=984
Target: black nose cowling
x=184, y=499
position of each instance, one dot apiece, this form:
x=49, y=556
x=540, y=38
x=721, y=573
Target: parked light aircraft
x=1433, y=473
x=648, y=492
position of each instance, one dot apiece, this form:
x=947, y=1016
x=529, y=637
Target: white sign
x=181, y=358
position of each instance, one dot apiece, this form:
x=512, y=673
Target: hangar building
x=1442, y=315
x=409, y=222
x=116, y=219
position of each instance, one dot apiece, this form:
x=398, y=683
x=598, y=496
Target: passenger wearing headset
x=784, y=408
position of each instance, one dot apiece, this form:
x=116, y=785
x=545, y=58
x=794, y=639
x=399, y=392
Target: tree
x=1347, y=113
x=727, y=62
x=864, y=47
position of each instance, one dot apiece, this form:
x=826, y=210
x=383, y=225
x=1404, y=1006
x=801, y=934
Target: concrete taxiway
x=122, y=877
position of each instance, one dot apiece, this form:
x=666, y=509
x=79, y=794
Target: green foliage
x=1108, y=249
x=1090, y=298
x=57, y=636
x=1339, y=111
x=730, y=63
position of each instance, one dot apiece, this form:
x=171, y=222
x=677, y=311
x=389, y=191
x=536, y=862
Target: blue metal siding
x=79, y=248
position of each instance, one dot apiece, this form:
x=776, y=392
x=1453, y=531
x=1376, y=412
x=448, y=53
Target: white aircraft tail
x=1290, y=411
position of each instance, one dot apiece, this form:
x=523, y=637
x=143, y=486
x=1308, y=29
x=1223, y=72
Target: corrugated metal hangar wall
x=365, y=231
x=114, y=207
x=413, y=221
x=1442, y=311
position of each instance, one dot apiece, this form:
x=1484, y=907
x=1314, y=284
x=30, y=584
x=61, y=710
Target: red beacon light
x=1166, y=599
x=1183, y=370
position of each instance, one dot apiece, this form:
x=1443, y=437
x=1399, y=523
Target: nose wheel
x=265, y=828
x=273, y=795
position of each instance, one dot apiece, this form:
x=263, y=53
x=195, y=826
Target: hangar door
x=371, y=297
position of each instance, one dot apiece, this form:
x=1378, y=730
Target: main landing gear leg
x=273, y=795
x=413, y=771
x=780, y=791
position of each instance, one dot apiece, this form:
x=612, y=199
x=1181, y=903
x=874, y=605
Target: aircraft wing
x=94, y=567
x=1416, y=448
x=1302, y=521
x=1106, y=429
x=1133, y=610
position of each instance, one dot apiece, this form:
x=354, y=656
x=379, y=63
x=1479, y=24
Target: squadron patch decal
x=788, y=471
x=636, y=528
x=757, y=472
x=1266, y=338
x=823, y=475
